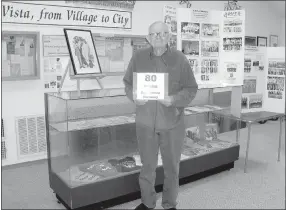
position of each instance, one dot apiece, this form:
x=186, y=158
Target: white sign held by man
x=150, y=86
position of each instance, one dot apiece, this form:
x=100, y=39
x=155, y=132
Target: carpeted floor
x=263, y=187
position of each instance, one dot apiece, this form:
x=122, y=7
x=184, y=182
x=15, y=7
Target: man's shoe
x=142, y=207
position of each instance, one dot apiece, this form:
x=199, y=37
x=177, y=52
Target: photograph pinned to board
x=190, y=30
x=170, y=18
x=194, y=63
x=232, y=26
x=255, y=101
x=244, y=102
x=173, y=41
x=249, y=85
x=210, y=48
x=247, y=65
x=250, y=41
x=276, y=67
x=82, y=51
x=275, y=87
x=261, y=41
x=209, y=66
x=273, y=41
x=231, y=68
x=210, y=30
x=191, y=48
x=233, y=44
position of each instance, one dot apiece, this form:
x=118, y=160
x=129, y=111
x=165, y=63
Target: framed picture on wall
x=261, y=41
x=82, y=52
x=250, y=41
x=273, y=41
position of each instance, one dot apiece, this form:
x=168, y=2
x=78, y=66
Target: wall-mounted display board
x=264, y=80
x=20, y=56
x=213, y=42
x=114, y=53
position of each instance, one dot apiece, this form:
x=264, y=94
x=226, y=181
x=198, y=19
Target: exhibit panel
x=264, y=80
x=213, y=42
x=275, y=80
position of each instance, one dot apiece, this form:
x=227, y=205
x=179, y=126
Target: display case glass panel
x=93, y=137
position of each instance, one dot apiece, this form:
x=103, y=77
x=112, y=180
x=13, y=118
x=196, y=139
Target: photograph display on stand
x=276, y=68
x=210, y=30
x=191, y=48
x=232, y=26
x=82, y=51
x=210, y=48
x=247, y=65
x=255, y=101
x=249, y=85
x=211, y=131
x=250, y=41
x=275, y=87
x=233, y=44
x=244, y=102
x=193, y=133
x=190, y=30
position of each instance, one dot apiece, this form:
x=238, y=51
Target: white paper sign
x=150, y=86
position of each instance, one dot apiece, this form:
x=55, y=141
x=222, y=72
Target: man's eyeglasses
x=161, y=34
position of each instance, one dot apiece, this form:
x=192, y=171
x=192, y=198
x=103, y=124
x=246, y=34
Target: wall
x=282, y=34
x=23, y=98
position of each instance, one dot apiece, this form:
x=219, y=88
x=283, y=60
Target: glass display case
x=92, y=147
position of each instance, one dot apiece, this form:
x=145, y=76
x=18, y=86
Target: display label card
x=150, y=86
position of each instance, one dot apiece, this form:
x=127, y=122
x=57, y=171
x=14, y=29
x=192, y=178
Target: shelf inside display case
x=93, y=153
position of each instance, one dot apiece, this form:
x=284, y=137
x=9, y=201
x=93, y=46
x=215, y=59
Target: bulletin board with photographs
x=114, y=53
x=213, y=43
x=198, y=36
x=20, y=56
x=254, y=83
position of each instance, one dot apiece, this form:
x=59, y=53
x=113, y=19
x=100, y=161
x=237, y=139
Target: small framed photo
x=250, y=41
x=273, y=41
x=82, y=52
x=261, y=41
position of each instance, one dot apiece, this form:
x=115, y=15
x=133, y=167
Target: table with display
x=251, y=118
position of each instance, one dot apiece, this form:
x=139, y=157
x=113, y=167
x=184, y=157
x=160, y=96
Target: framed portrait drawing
x=82, y=52
x=261, y=41
x=250, y=41
x=273, y=41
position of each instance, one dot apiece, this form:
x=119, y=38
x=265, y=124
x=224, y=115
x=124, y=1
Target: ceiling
x=278, y=7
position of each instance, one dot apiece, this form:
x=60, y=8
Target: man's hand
x=168, y=101
x=140, y=102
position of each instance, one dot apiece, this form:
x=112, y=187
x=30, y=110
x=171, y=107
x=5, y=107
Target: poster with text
x=170, y=18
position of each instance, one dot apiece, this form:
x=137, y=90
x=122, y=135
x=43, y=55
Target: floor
x=263, y=187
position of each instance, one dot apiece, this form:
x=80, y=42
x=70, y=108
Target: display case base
x=108, y=193
x=134, y=196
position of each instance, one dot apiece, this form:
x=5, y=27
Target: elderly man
x=160, y=124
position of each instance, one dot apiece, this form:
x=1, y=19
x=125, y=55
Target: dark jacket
x=182, y=85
